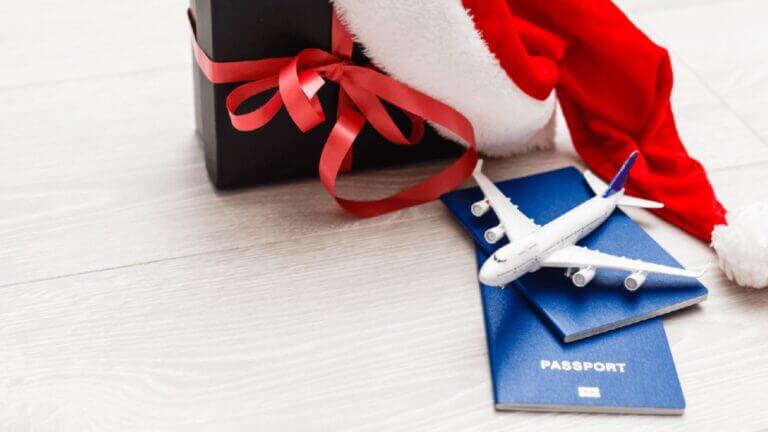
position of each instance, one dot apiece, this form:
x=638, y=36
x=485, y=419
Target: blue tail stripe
x=617, y=184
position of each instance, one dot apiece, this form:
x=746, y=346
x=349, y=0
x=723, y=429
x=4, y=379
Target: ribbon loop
x=260, y=116
x=297, y=81
x=305, y=110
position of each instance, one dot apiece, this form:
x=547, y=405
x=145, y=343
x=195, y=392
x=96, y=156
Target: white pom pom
x=742, y=245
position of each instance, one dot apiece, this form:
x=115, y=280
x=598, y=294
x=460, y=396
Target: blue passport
x=604, y=304
x=629, y=371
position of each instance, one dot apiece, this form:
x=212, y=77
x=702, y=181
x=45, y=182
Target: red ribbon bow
x=299, y=78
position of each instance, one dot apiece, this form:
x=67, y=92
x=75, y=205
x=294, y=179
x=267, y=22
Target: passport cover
x=626, y=371
x=604, y=304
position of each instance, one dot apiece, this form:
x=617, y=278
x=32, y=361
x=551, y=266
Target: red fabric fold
x=614, y=86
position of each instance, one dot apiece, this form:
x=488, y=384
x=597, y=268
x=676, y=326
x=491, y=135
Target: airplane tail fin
x=600, y=188
x=478, y=167
x=617, y=184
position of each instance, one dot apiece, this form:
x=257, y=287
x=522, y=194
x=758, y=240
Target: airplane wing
x=579, y=256
x=513, y=221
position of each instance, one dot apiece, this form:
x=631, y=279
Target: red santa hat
x=503, y=64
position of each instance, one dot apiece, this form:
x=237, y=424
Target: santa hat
x=502, y=64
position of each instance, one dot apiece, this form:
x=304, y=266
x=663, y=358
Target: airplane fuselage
x=523, y=256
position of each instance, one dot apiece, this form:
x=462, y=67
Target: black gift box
x=232, y=30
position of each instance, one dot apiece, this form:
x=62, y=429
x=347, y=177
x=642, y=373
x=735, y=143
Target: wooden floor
x=137, y=298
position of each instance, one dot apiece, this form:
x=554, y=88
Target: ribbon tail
x=337, y=147
x=344, y=104
x=340, y=141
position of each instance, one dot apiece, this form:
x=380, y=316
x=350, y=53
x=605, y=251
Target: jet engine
x=584, y=276
x=634, y=281
x=494, y=235
x=480, y=208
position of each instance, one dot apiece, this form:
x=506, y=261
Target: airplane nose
x=487, y=274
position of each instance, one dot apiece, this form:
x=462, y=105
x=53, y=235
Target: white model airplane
x=554, y=245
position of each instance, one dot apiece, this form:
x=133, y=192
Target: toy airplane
x=554, y=245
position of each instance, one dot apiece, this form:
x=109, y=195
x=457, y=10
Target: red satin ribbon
x=299, y=78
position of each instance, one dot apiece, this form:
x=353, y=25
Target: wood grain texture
x=137, y=298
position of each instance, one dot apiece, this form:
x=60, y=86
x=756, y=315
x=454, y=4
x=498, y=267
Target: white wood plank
x=722, y=41
x=633, y=7
x=48, y=40
x=749, y=104
x=726, y=45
